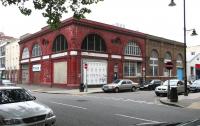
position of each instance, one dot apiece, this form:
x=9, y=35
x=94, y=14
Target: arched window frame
x=168, y=58
x=154, y=63
x=59, y=44
x=179, y=61
x=132, y=49
x=25, y=53
x=93, y=42
x=36, y=50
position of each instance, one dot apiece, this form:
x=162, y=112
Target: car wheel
x=116, y=90
x=133, y=89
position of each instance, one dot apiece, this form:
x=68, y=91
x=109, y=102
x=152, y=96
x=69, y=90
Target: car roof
x=9, y=87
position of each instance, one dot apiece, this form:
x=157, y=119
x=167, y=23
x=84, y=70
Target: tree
x=53, y=9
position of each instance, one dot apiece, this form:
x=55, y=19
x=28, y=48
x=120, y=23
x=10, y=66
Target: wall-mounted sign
x=36, y=67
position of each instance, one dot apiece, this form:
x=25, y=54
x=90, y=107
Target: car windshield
x=172, y=82
x=197, y=82
x=116, y=81
x=14, y=95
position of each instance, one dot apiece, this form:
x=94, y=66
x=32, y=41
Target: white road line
x=73, y=106
x=141, y=124
x=123, y=99
x=137, y=118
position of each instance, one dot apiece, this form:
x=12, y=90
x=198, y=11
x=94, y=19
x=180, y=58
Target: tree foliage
x=53, y=9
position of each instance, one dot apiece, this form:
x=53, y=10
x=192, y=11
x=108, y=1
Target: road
x=113, y=109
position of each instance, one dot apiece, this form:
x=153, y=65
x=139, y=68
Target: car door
x=180, y=87
x=123, y=85
x=129, y=84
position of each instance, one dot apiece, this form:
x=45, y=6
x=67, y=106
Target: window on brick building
x=93, y=42
x=179, y=61
x=132, y=49
x=132, y=68
x=36, y=51
x=25, y=53
x=168, y=58
x=59, y=44
x=154, y=63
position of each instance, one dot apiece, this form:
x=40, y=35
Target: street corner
x=195, y=105
x=166, y=101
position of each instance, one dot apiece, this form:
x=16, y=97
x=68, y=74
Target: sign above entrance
x=36, y=67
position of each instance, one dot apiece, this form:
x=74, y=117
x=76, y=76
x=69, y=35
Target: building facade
x=84, y=51
x=193, y=63
x=4, y=41
x=12, y=61
x=159, y=51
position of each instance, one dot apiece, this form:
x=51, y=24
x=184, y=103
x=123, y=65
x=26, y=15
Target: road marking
x=73, y=106
x=126, y=116
x=141, y=124
x=123, y=99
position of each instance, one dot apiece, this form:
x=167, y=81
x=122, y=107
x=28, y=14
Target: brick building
x=58, y=58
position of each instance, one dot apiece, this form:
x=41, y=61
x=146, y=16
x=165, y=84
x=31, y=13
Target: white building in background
x=9, y=61
x=12, y=60
x=193, y=62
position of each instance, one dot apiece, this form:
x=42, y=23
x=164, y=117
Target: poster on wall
x=36, y=68
x=96, y=72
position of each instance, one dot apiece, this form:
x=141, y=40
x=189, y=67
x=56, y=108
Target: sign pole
x=86, y=85
x=169, y=66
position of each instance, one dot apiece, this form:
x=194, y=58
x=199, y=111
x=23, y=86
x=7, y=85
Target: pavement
x=192, y=101
x=55, y=90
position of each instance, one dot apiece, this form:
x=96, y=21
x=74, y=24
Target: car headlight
x=50, y=114
x=10, y=121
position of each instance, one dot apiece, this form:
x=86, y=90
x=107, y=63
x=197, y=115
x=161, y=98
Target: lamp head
x=172, y=3
x=194, y=32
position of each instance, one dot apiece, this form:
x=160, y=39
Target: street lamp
x=184, y=30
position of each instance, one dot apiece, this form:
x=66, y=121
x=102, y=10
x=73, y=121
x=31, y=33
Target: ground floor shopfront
x=69, y=70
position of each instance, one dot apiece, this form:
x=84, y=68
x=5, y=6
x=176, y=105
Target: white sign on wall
x=36, y=67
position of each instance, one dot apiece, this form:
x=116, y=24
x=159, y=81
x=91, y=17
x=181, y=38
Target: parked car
x=120, y=84
x=195, y=86
x=163, y=89
x=6, y=83
x=19, y=108
x=151, y=85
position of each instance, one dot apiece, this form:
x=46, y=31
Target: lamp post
x=184, y=30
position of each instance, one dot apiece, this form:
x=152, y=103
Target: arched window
x=154, y=63
x=93, y=42
x=179, y=61
x=36, y=51
x=168, y=58
x=132, y=49
x=25, y=53
x=59, y=44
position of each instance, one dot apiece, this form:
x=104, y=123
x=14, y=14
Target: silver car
x=195, y=87
x=19, y=108
x=120, y=84
x=6, y=83
x=163, y=89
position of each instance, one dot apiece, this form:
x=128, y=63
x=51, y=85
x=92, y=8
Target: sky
x=152, y=17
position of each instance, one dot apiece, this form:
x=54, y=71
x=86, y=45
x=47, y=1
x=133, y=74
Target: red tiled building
x=58, y=58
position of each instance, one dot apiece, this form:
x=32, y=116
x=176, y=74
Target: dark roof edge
x=84, y=22
x=156, y=38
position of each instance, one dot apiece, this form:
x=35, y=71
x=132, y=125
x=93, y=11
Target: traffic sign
x=85, y=66
x=169, y=65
